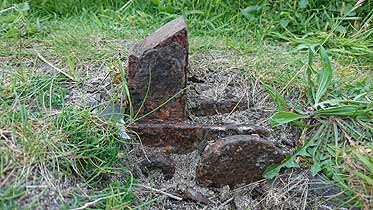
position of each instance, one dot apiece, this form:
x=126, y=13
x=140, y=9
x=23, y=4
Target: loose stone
x=236, y=159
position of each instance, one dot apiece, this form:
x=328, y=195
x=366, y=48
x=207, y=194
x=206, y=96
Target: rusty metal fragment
x=157, y=77
x=184, y=138
x=156, y=72
x=236, y=159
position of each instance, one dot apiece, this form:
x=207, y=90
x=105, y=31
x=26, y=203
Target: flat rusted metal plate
x=184, y=138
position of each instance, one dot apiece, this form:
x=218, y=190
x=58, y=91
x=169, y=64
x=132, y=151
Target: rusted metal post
x=157, y=73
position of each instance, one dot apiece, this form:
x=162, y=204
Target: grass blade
x=342, y=110
x=279, y=100
x=280, y=118
x=365, y=160
x=310, y=84
x=325, y=75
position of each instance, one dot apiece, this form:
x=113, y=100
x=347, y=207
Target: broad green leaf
x=279, y=100
x=303, y=151
x=343, y=110
x=301, y=46
x=272, y=171
x=280, y=118
x=310, y=84
x=291, y=163
x=331, y=102
x=325, y=75
x=316, y=166
x=251, y=12
x=310, y=56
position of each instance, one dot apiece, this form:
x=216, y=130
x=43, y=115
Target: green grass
x=69, y=142
x=265, y=40
x=337, y=130
x=342, y=26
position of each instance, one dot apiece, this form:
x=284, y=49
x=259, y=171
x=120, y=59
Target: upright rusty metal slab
x=157, y=73
x=186, y=137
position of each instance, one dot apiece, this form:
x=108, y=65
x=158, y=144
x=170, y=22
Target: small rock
x=194, y=195
x=236, y=159
x=159, y=161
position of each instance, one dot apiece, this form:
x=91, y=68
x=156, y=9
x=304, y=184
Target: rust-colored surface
x=157, y=77
x=156, y=73
x=172, y=32
x=236, y=159
x=184, y=138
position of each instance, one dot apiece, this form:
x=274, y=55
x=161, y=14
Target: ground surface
x=222, y=84
x=62, y=87
x=219, y=78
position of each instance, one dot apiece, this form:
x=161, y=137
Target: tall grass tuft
x=338, y=129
